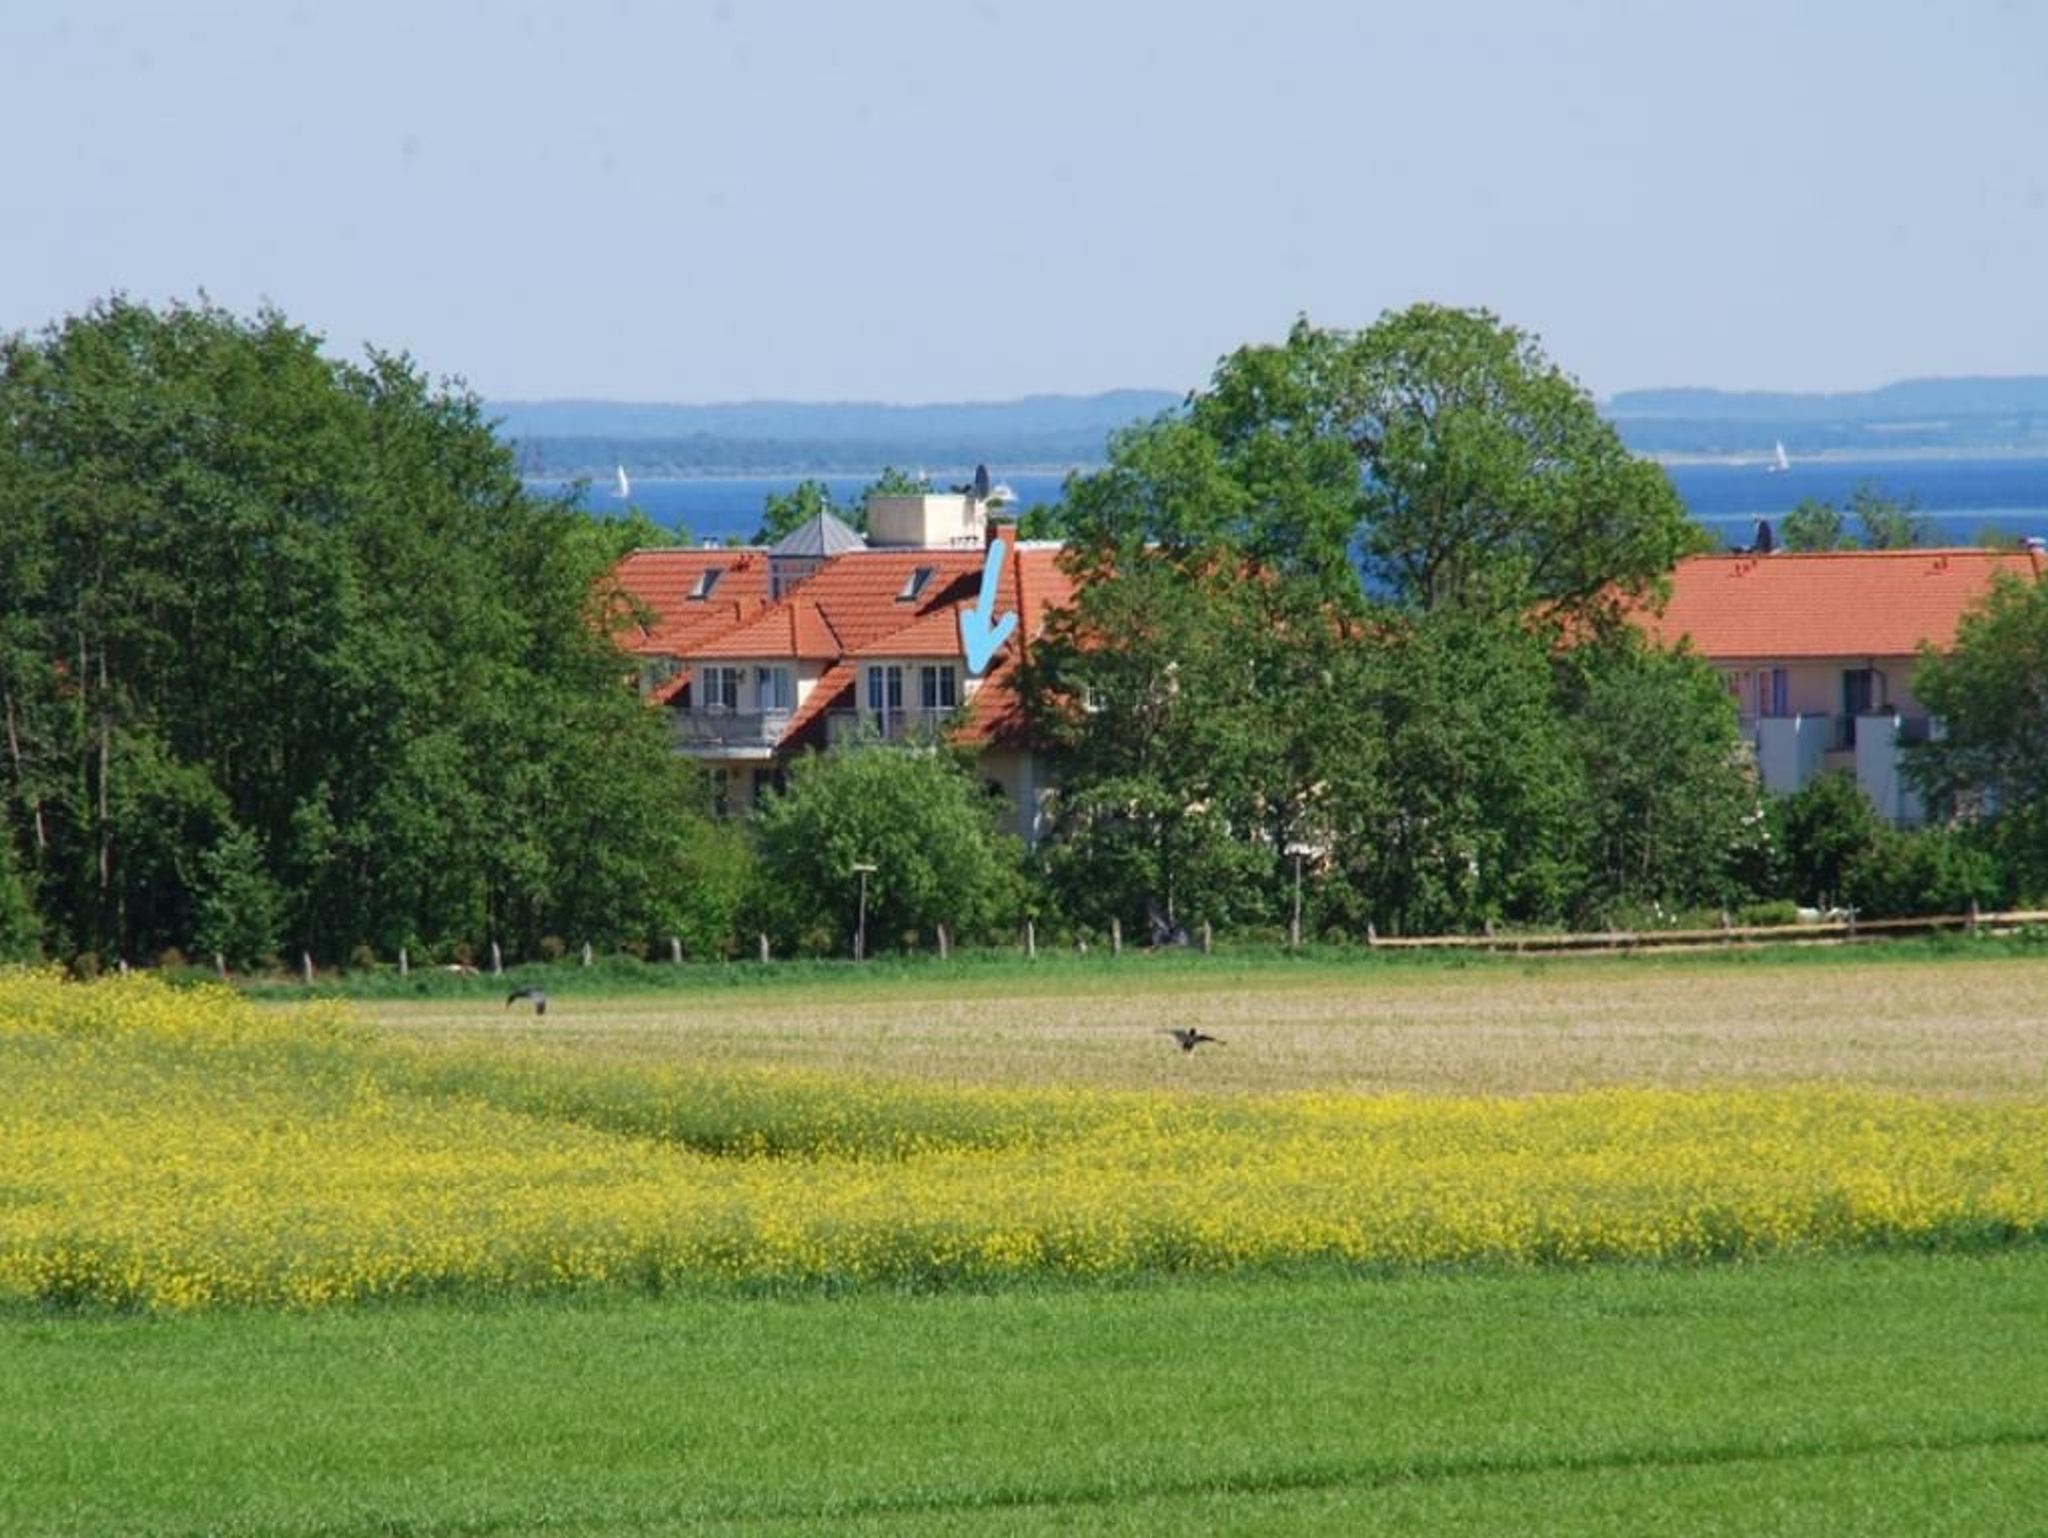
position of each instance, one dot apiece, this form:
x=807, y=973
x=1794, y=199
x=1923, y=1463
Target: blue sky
x=928, y=201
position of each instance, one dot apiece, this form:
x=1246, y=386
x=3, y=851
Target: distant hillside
x=1928, y=415
x=572, y=437
x=1056, y=432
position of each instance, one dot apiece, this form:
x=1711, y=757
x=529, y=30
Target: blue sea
x=1961, y=499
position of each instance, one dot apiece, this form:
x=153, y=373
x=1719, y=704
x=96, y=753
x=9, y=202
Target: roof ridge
x=1911, y=552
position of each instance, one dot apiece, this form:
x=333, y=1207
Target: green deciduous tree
x=241, y=909
x=1227, y=687
x=917, y=816
x=1824, y=831
x=1882, y=522
x=1481, y=783
x=247, y=588
x=1990, y=692
x=1672, y=813
x=20, y=929
x=1815, y=527
x=782, y=513
x=1886, y=522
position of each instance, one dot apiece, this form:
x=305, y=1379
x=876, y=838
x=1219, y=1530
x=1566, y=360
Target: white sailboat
x=624, y=489
x=1779, y=463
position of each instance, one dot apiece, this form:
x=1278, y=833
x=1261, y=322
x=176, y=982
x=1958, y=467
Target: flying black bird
x=540, y=999
x=1190, y=1038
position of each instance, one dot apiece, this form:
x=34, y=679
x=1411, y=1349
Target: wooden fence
x=1831, y=931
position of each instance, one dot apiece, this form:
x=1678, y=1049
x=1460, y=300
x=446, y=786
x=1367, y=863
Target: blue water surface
x=1961, y=499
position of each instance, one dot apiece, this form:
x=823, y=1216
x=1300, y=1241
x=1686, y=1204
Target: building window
x=1781, y=692
x=1859, y=691
x=707, y=579
x=938, y=688
x=721, y=689
x=776, y=689
x=914, y=584
x=885, y=689
x=1859, y=698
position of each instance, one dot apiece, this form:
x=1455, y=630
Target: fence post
x=1975, y=916
x=122, y=963
x=1725, y=937
x=306, y=967
x=586, y=953
x=220, y=965
x=675, y=950
x=1116, y=937
x=1208, y=937
x=1852, y=923
x=497, y=960
x=945, y=943
x=764, y=948
x=1372, y=935
x=404, y=963
x=1030, y=940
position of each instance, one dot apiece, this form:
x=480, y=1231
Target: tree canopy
x=1359, y=600
x=1882, y=522
x=1990, y=691
x=917, y=817
x=288, y=655
x=1439, y=452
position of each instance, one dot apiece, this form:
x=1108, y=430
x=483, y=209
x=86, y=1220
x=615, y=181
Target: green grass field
x=1869, y=1395
x=1843, y=1393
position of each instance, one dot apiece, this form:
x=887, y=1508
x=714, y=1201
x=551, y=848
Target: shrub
x=1926, y=871
x=1780, y=911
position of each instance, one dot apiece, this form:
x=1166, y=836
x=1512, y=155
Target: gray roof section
x=819, y=536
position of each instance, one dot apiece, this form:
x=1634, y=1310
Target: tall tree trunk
x=33, y=801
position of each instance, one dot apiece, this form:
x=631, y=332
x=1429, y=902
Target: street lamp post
x=1294, y=928
x=860, y=935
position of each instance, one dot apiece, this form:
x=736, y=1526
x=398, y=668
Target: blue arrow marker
x=981, y=633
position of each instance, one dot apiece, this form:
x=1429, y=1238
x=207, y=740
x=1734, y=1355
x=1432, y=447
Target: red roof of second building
x=1865, y=603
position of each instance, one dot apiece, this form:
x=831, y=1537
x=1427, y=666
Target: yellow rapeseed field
x=184, y=1149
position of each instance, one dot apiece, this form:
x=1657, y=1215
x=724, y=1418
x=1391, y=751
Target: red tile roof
x=1866, y=603
x=935, y=633
x=662, y=580
x=794, y=628
x=858, y=591
x=850, y=609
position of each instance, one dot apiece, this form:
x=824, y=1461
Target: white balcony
x=907, y=724
x=735, y=733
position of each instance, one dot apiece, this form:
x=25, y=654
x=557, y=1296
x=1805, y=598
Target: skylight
x=915, y=583
x=706, y=581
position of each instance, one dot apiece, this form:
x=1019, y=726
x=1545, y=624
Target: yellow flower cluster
x=179, y=1150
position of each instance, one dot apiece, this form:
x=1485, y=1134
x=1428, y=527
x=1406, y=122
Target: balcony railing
x=702, y=729
x=1843, y=735
x=911, y=724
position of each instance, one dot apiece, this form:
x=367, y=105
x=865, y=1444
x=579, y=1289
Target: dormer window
x=914, y=584
x=707, y=579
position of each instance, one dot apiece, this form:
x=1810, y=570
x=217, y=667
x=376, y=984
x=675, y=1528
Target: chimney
x=1002, y=529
